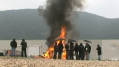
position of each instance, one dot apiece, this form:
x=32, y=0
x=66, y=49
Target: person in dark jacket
x=81, y=51
x=55, y=50
x=71, y=48
x=67, y=50
x=60, y=48
x=24, y=46
x=99, y=51
x=76, y=49
x=86, y=51
x=13, y=45
x=89, y=50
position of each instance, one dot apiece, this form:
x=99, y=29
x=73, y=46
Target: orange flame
x=49, y=54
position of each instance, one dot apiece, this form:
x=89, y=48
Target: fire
x=49, y=53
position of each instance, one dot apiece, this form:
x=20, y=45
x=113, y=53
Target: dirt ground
x=39, y=62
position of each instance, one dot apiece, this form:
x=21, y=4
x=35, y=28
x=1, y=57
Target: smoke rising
x=57, y=14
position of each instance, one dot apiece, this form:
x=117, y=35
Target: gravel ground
x=39, y=62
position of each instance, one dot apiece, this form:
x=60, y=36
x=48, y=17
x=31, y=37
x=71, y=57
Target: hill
x=28, y=24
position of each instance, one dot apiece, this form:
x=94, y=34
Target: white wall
x=110, y=49
x=5, y=44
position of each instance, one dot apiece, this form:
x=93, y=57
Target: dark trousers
x=23, y=51
x=55, y=54
x=81, y=56
x=67, y=54
x=76, y=53
x=71, y=54
x=59, y=55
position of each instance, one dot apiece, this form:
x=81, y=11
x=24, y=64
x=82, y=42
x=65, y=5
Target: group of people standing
x=81, y=52
x=13, y=45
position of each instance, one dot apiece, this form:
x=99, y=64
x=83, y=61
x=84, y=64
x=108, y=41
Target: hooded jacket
x=13, y=44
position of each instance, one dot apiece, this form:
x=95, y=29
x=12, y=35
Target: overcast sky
x=105, y=8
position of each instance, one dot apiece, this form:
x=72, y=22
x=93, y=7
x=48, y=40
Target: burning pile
x=57, y=15
x=49, y=52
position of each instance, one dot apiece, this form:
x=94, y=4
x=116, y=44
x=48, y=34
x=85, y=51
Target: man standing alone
x=99, y=51
x=24, y=46
x=13, y=45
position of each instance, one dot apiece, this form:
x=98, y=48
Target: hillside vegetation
x=29, y=24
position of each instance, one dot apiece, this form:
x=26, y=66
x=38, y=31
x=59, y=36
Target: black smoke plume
x=57, y=14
